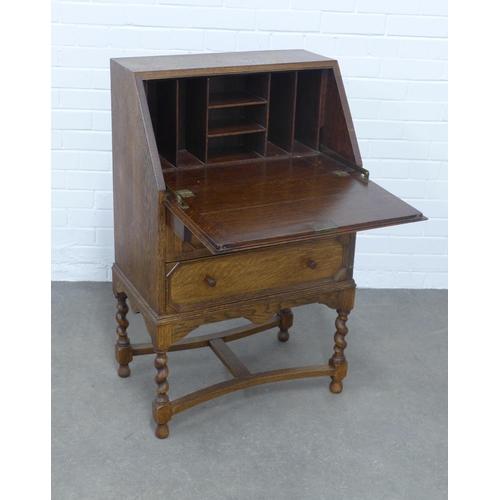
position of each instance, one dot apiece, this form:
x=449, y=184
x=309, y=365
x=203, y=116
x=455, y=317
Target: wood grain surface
x=243, y=273
x=237, y=207
x=238, y=192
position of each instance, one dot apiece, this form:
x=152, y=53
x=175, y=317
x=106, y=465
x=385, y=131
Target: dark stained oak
x=186, y=159
x=238, y=192
x=194, y=283
x=123, y=348
x=159, y=67
x=338, y=357
x=233, y=127
x=196, y=118
x=163, y=100
x=216, y=390
x=162, y=408
x=234, y=98
x=139, y=253
x=227, y=336
x=229, y=358
x=307, y=112
x=337, y=132
x=231, y=153
x=244, y=206
x=286, y=316
x=282, y=109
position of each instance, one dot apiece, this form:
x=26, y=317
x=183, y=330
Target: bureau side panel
x=137, y=190
x=337, y=132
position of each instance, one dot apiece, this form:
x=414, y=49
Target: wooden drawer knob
x=312, y=264
x=210, y=281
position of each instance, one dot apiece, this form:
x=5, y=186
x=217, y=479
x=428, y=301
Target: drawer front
x=231, y=277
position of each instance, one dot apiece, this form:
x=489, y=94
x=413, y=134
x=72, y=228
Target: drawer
x=231, y=277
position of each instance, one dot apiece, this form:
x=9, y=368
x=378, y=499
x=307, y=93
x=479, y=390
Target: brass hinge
x=179, y=196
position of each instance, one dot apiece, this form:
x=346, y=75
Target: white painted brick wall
x=392, y=54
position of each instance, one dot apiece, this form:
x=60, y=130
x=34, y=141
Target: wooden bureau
x=238, y=191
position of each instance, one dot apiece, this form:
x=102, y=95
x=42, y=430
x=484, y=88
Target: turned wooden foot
x=162, y=408
x=338, y=359
x=286, y=316
x=123, y=348
x=335, y=386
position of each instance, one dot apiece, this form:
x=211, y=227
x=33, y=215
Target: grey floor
x=384, y=437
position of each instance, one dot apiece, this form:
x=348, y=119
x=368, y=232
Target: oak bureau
x=238, y=191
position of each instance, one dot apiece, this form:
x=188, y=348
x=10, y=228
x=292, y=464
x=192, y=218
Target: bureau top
x=175, y=66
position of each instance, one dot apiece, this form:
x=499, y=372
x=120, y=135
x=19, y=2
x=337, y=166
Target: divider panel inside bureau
x=227, y=118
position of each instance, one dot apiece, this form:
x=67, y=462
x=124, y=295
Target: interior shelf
x=234, y=98
x=205, y=120
x=233, y=127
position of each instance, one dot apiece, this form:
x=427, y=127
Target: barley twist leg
x=123, y=348
x=162, y=408
x=338, y=359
